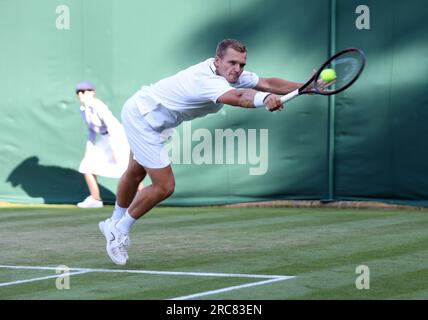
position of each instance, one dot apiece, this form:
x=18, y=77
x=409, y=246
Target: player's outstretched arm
x=238, y=97
x=249, y=98
x=277, y=85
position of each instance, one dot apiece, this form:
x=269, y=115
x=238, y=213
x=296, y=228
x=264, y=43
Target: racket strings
x=347, y=67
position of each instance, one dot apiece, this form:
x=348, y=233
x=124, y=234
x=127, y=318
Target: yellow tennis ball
x=328, y=75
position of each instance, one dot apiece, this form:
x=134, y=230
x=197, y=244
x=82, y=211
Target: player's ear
x=217, y=60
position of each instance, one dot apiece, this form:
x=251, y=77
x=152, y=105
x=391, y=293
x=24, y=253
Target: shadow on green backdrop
x=52, y=183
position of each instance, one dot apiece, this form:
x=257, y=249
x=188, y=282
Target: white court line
x=4, y=284
x=271, y=278
x=206, y=293
x=169, y=273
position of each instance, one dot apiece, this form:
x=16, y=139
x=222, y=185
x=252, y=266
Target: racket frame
x=315, y=77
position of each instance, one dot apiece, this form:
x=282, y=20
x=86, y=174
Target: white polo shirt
x=189, y=94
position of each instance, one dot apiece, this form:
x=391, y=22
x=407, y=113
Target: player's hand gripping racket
x=347, y=64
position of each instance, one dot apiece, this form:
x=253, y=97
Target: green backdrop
x=367, y=143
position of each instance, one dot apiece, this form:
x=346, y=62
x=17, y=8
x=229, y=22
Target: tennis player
x=108, y=156
x=148, y=115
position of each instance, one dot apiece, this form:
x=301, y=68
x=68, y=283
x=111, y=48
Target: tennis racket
x=348, y=65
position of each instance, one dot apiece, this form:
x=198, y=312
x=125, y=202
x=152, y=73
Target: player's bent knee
x=135, y=175
x=132, y=177
x=166, y=190
x=169, y=190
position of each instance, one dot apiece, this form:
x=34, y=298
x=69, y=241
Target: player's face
x=231, y=65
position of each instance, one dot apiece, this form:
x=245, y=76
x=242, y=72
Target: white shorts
x=146, y=144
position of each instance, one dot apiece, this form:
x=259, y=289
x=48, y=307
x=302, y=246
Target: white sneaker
x=90, y=202
x=117, y=242
x=101, y=226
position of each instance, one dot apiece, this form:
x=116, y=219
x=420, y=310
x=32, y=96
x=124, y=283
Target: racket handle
x=290, y=96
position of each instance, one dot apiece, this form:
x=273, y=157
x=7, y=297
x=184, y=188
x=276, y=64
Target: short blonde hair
x=229, y=43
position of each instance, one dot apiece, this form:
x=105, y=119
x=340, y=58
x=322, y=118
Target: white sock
x=118, y=212
x=125, y=223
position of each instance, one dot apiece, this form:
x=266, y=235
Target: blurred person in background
x=106, y=156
